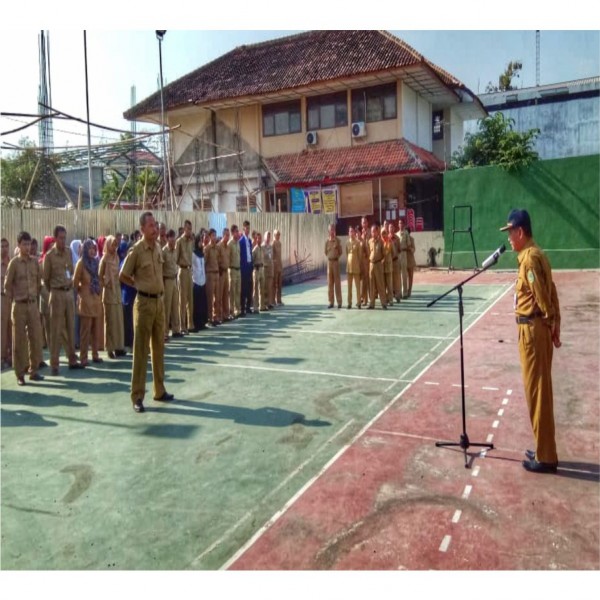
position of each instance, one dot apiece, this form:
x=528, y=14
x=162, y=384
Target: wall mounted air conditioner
x=312, y=138
x=359, y=129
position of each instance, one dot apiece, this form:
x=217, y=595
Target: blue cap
x=517, y=218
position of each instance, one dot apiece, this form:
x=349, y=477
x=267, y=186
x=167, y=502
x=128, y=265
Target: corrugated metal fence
x=302, y=235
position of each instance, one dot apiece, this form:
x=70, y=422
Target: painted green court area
x=262, y=405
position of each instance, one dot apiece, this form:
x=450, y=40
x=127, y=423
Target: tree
x=496, y=143
x=19, y=169
x=146, y=180
x=505, y=80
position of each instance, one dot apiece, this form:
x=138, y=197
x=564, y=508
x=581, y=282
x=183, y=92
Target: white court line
x=445, y=543
x=467, y=492
x=400, y=434
x=342, y=450
x=491, y=389
x=501, y=412
x=489, y=438
x=475, y=471
x=431, y=383
x=273, y=491
x=458, y=385
x=456, y=516
x=495, y=424
x=401, y=380
x=505, y=401
x=357, y=333
x=302, y=372
x=508, y=392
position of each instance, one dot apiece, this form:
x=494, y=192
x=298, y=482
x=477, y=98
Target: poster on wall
x=329, y=196
x=314, y=200
x=298, y=200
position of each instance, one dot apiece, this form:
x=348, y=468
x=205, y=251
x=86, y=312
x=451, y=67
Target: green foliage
x=505, y=80
x=496, y=143
x=134, y=191
x=17, y=171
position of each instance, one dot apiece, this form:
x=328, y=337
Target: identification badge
x=68, y=274
x=530, y=277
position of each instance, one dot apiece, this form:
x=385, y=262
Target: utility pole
x=160, y=34
x=89, y=137
x=537, y=57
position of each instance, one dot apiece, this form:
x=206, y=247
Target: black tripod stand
x=464, y=443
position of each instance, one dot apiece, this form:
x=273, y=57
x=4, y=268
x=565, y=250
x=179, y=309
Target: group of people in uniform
x=380, y=264
x=100, y=294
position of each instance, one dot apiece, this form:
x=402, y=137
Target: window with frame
x=374, y=103
x=282, y=118
x=325, y=112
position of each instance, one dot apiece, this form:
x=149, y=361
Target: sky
x=121, y=58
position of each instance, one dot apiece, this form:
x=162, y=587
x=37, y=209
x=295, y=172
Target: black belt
x=28, y=301
x=184, y=267
x=235, y=268
x=257, y=267
x=63, y=289
x=170, y=277
x=526, y=320
x=155, y=296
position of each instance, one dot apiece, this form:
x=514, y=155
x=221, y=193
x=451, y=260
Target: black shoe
x=370, y=307
x=178, y=334
x=358, y=306
x=111, y=354
x=165, y=398
x=330, y=306
x=97, y=360
x=120, y=352
x=36, y=377
x=539, y=467
x=215, y=323
x=530, y=454
x=76, y=366
x=339, y=306
x=21, y=380
x=42, y=365
x=242, y=314
x=349, y=306
x=138, y=406
x=384, y=306
x=54, y=371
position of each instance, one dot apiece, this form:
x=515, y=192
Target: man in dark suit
x=246, y=269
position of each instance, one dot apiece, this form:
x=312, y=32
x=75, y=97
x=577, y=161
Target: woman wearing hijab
x=108, y=272
x=100, y=242
x=45, y=293
x=128, y=295
x=199, y=279
x=75, y=247
x=89, y=306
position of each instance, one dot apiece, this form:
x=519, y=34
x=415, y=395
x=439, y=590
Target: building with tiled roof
x=359, y=114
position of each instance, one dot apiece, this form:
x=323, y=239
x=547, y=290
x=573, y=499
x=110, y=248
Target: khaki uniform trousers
x=334, y=281
x=396, y=279
x=62, y=326
x=365, y=286
x=6, y=329
x=377, y=283
x=277, y=283
x=411, y=273
x=224, y=293
x=354, y=278
x=269, y=295
x=403, y=260
x=90, y=334
x=171, y=302
x=186, y=299
x=148, y=335
x=535, y=350
x=26, y=325
x=388, y=278
x=259, y=295
x=212, y=296
x=235, y=291
x=45, y=314
x=114, y=329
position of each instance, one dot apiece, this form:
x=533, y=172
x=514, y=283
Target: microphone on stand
x=493, y=258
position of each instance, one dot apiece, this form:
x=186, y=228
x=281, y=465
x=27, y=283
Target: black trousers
x=128, y=324
x=200, y=307
x=246, y=303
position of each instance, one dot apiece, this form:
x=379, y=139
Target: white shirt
x=198, y=273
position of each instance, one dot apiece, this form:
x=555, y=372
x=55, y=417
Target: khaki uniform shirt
x=388, y=252
x=170, y=264
x=354, y=253
x=184, y=248
x=145, y=265
x=411, y=263
x=88, y=303
x=268, y=258
x=404, y=241
x=233, y=249
x=257, y=256
x=535, y=290
x=3, y=269
x=211, y=258
x=395, y=247
x=108, y=272
x=223, y=257
x=277, y=257
x=58, y=268
x=375, y=250
x=333, y=249
x=22, y=280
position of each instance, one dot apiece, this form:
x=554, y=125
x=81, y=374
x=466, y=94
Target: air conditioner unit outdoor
x=312, y=138
x=359, y=129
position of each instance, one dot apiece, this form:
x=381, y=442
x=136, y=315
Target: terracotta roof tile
x=322, y=166
x=288, y=63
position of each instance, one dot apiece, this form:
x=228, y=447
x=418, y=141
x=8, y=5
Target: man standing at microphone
x=538, y=319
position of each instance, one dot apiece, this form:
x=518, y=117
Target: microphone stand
x=464, y=442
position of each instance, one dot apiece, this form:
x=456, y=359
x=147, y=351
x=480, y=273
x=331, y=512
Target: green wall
x=562, y=197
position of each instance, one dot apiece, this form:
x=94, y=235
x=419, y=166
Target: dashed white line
x=431, y=383
x=467, y=492
x=475, y=471
x=508, y=392
x=445, y=543
x=458, y=385
x=456, y=517
x=501, y=412
x=489, y=438
x=505, y=401
x=495, y=424
x=491, y=389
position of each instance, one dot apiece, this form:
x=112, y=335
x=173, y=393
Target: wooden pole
x=80, y=198
x=30, y=186
x=186, y=187
x=60, y=184
x=122, y=190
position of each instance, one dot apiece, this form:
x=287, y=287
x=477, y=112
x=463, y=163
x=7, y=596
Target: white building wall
x=424, y=124
x=409, y=114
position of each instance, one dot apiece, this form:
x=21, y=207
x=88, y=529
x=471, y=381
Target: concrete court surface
x=304, y=439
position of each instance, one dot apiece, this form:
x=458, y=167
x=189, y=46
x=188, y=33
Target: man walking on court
x=143, y=269
x=538, y=320
x=333, y=251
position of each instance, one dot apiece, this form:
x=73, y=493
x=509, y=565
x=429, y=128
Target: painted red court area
x=393, y=500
